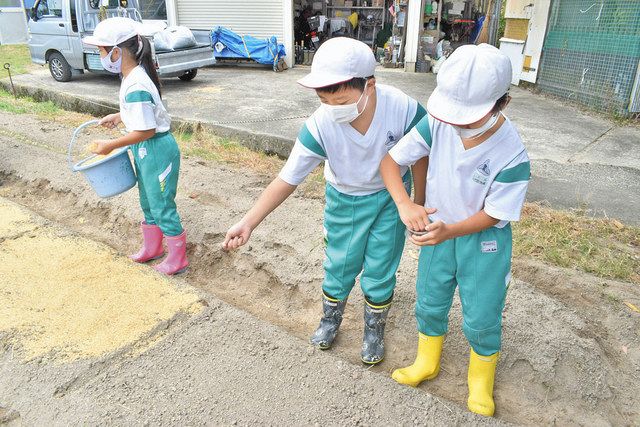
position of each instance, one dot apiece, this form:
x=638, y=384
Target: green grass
x=43, y=110
x=570, y=239
x=26, y=105
x=19, y=58
x=207, y=146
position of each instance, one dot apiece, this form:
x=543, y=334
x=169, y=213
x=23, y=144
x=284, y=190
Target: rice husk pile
x=70, y=298
x=13, y=220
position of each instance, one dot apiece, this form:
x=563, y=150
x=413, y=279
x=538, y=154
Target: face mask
x=466, y=133
x=345, y=113
x=112, y=67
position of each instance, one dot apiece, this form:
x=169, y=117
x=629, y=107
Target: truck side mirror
x=34, y=13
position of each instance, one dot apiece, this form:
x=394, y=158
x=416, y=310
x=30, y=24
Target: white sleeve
x=413, y=146
x=301, y=163
x=138, y=110
x=306, y=155
x=508, y=190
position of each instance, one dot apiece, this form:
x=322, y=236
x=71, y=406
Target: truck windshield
x=91, y=13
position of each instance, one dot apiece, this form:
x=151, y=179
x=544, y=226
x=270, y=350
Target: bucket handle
x=74, y=138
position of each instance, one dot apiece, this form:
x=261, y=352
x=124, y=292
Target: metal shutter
x=258, y=18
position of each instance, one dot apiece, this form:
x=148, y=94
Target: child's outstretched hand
x=415, y=217
x=237, y=236
x=101, y=146
x=111, y=121
x=437, y=232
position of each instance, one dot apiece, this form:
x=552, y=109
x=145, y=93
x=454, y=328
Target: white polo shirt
x=141, y=107
x=460, y=183
x=352, y=160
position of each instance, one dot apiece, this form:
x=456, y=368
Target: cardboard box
x=317, y=5
x=338, y=3
x=377, y=3
x=348, y=3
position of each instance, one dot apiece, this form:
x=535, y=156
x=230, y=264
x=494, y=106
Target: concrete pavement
x=579, y=159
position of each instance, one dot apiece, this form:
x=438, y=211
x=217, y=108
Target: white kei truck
x=56, y=29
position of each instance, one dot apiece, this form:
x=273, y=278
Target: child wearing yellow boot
x=477, y=180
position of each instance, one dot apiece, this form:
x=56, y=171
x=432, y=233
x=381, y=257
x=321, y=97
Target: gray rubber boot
x=375, y=319
x=332, y=312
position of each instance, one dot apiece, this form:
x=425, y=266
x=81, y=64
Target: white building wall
x=258, y=18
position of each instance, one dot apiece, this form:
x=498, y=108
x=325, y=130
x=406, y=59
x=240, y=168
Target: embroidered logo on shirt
x=142, y=152
x=489, y=246
x=482, y=172
x=391, y=140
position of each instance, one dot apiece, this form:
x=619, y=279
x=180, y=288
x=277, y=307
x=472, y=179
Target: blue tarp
x=477, y=28
x=264, y=51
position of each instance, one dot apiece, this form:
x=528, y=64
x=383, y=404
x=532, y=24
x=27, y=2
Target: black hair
x=355, y=83
x=143, y=57
x=500, y=103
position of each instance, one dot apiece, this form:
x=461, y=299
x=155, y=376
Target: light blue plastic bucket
x=110, y=176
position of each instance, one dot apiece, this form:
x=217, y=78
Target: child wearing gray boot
x=356, y=125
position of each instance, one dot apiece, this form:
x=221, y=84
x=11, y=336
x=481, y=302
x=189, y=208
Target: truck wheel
x=59, y=67
x=189, y=75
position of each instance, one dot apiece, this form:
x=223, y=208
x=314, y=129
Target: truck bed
x=159, y=51
x=176, y=62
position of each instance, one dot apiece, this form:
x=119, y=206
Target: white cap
x=470, y=82
x=339, y=60
x=112, y=32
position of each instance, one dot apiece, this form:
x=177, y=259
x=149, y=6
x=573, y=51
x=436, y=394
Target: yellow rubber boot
x=482, y=372
x=427, y=364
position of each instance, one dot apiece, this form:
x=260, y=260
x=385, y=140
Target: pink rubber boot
x=176, y=262
x=151, y=244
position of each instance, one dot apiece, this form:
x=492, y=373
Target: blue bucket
x=110, y=176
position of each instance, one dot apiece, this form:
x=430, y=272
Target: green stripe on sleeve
x=139, y=96
x=420, y=113
x=424, y=130
x=521, y=172
x=310, y=142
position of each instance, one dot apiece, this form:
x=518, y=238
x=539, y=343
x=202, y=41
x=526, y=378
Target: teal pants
x=479, y=264
x=157, y=163
x=362, y=234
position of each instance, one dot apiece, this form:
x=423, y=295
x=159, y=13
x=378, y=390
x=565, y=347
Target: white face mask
x=112, y=67
x=466, y=133
x=345, y=113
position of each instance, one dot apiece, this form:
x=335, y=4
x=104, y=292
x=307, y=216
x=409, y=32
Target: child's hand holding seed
x=91, y=147
x=101, y=146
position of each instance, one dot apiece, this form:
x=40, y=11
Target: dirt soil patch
x=571, y=351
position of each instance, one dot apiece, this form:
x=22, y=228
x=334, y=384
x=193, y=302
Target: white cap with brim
x=112, y=32
x=470, y=82
x=339, y=60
